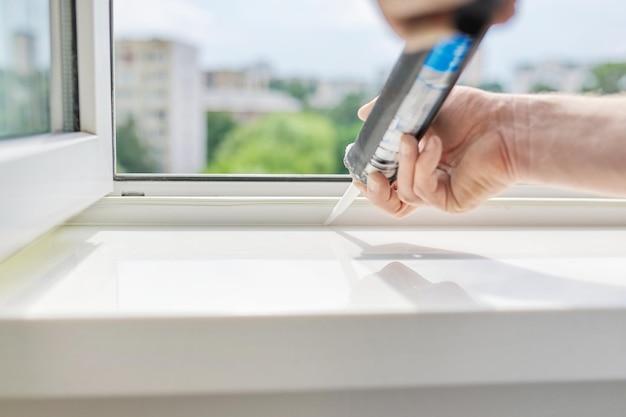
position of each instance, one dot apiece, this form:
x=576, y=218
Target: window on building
x=247, y=87
x=24, y=67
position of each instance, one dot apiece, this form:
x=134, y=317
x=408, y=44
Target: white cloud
x=350, y=37
x=307, y=37
x=184, y=20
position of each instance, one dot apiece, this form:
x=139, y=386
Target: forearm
x=577, y=142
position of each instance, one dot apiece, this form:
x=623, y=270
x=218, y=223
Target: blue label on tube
x=448, y=55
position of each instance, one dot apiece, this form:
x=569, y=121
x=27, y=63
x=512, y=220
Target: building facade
x=158, y=86
x=245, y=93
x=560, y=76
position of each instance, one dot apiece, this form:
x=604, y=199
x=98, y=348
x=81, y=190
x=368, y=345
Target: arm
x=577, y=142
x=481, y=143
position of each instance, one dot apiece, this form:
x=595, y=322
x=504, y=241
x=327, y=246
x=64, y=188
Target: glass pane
x=24, y=67
x=272, y=87
x=244, y=86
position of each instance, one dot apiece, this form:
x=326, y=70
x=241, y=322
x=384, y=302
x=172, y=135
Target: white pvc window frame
x=154, y=199
x=46, y=179
x=50, y=178
x=266, y=185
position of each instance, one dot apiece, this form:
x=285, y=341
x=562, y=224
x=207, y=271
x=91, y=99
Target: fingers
x=423, y=22
x=383, y=195
x=366, y=109
x=507, y=10
x=429, y=182
x=406, y=169
x=405, y=9
x=423, y=33
x=425, y=178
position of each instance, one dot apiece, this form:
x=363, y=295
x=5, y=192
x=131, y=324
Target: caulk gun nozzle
x=344, y=202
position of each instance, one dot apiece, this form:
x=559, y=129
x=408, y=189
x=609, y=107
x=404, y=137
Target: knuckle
x=459, y=208
x=417, y=189
x=409, y=198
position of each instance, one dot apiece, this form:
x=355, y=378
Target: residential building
x=158, y=85
x=329, y=93
x=246, y=105
x=256, y=76
x=24, y=87
x=550, y=75
x=245, y=93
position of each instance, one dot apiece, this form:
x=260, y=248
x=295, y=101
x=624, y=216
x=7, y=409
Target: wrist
x=513, y=124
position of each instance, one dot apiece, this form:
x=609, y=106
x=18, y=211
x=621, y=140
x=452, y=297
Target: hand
x=467, y=155
x=421, y=23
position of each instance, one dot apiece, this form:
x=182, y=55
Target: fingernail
x=421, y=145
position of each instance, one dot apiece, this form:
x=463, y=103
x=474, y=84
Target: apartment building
x=158, y=85
x=554, y=75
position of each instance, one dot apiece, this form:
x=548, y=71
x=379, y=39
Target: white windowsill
x=197, y=310
x=197, y=210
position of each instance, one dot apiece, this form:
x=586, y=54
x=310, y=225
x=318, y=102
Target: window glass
x=272, y=87
x=24, y=67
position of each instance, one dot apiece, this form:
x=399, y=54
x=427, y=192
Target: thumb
x=366, y=109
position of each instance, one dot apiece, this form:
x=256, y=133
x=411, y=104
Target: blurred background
x=24, y=67
x=272, y=87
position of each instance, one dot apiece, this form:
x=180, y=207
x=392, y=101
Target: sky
x=25, y=16
x=349, y=38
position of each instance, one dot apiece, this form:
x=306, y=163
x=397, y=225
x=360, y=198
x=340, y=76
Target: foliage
x=131, y=154
x=542, y=88
x=219, y=124
x=609, y=78
x=347, y=124
x=345, y=113
x=298, y=89
x=300, y=143
x=492, y=86
x=346, y=134
x=24, y=103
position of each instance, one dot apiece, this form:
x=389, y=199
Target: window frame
x=286, y=200
x=41, y=192
x=48, y=178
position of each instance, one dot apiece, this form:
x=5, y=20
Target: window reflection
x=24, y=67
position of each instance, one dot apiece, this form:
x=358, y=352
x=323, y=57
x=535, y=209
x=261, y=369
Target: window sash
x=49, y=178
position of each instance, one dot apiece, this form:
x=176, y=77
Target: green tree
x=301, y=143
x=347, y=124
x=219, y=124
x=542, y=88
x=346, y=134
x=298, y=89
x=608, y=78
x=132, y=156
x=344, y=113
x=492, y=86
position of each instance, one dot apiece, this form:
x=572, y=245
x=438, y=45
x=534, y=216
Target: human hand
x=421, y=23
x=468, y=154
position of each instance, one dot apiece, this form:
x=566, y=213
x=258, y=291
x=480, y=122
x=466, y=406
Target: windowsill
x=196, y=210
x=181, y=310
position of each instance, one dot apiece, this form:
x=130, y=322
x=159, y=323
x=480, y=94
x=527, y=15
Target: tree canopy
x=219, y=124
x=133, y=156
x=283, y=143
x=609, y=78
